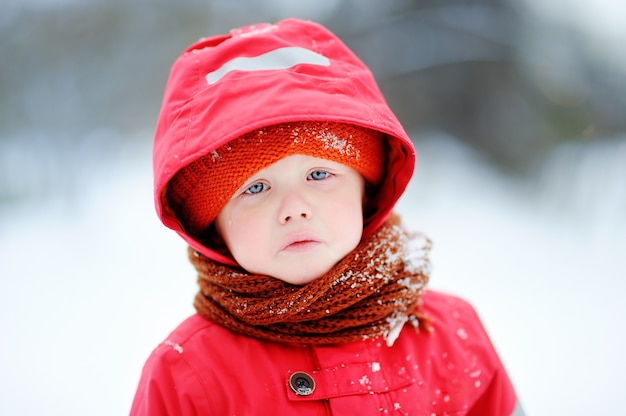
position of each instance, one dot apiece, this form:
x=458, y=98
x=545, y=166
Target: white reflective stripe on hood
x=281, y=58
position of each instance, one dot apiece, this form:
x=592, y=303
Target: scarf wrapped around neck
x=371, y=292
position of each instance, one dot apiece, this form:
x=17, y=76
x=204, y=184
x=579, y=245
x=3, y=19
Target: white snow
x=89, y=286
x=461, y=333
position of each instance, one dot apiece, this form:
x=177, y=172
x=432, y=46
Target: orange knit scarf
x=372, y=292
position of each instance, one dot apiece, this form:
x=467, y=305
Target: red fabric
x=198, y=117
x=204, y=369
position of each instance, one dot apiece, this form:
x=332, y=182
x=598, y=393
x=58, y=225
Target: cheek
x=242, y=238
x=232, y=225
x=346, y=212
x=351, y=202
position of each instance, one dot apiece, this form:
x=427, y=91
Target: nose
x=293, y=206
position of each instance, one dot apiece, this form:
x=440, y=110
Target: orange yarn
x=200, y=190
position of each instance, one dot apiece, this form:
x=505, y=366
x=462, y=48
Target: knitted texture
x=200, y=190
x=372, y=292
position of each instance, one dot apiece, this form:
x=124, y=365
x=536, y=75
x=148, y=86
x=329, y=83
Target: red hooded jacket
x=221, y=88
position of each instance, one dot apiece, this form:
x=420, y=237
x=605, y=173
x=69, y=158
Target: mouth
x=299, y=243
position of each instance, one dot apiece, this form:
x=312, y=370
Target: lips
x=299, y=242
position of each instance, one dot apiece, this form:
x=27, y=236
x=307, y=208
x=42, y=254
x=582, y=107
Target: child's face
x=295, y=219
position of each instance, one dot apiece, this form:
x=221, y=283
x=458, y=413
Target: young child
x=278, y=161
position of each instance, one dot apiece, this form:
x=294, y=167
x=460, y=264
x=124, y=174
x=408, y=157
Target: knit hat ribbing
x=201, y=189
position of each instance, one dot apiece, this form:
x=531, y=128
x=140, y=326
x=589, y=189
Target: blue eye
x=256, y=188
x=318, y=175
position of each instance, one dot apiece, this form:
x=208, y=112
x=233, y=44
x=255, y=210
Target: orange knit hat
x=200, y=190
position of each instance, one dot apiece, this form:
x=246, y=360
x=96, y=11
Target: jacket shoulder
x=171, y=368
x=455, y=324
x=459, y=333
x=445, y=302
x=449, y=310
x=186, y=332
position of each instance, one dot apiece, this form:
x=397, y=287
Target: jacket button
x=301, y=383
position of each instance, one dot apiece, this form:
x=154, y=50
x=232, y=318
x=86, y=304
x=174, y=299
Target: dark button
x=301, y=383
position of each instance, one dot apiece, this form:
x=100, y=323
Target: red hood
x=228, y=85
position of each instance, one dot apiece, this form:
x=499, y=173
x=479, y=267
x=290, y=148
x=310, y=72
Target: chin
x=299, y=272
x=300, y=280
x=303, y=278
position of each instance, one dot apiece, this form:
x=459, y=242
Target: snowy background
x=90, y=286
x=91, y=282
